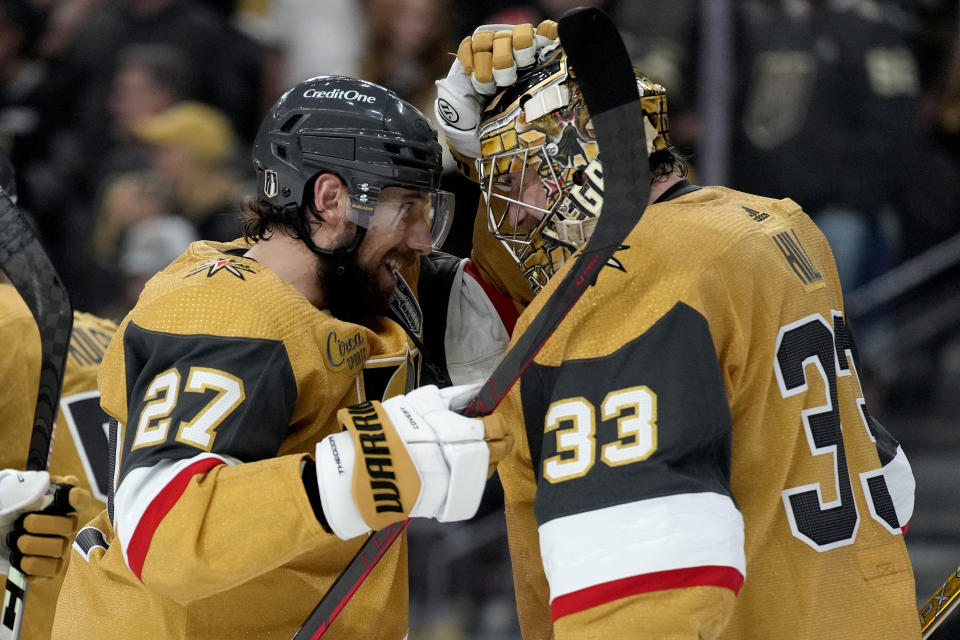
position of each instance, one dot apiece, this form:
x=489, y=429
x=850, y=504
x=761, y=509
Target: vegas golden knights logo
x=778, y=96
x=270, y=183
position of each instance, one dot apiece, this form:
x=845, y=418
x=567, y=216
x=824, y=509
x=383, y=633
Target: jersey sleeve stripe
x=643, y=543
x=87, y=540
x=502, y=303
x=726, y=577
x=902, y=486
x=146, y=495
x=475, y=337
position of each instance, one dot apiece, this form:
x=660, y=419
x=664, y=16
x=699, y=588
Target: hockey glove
x=411, y=456
x=486, y=62
x=36, y=528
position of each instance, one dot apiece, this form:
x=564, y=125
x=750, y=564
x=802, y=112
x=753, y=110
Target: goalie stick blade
x=27, y=266
x=618, y=121
x=936, y=622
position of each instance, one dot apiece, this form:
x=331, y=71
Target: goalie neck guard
x=361, y=132
x=540, y=167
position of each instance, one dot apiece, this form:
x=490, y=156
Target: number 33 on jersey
x=696, y=439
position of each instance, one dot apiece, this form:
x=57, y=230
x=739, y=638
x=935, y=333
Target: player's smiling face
x=398, y=234
x=524, y=187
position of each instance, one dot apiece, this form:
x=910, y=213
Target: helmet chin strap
x=339, y=254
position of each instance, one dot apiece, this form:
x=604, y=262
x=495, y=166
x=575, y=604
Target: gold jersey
x=222, y=379
x=79, y=438
x=695, y=459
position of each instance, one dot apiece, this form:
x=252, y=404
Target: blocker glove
x=36, y=528
x=486, y=62
x=410, y=456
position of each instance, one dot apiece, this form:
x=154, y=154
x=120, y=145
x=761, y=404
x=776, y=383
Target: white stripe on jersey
x=139, y=489
x=475, y=338
x=902, y=485
x=898, y=477
x=660, y=534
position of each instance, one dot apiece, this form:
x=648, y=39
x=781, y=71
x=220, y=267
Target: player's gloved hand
x=20, y=491
x=36, y=525
x=411, y=456
x=486, y=62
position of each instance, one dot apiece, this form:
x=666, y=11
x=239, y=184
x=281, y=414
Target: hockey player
x=40, y=543
x=231, y=369
x=693, y=457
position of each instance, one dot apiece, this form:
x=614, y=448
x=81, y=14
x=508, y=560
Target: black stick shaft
x=607, y=79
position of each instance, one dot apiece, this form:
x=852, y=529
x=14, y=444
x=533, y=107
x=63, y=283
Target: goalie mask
x=359, y=131
x=540, y=167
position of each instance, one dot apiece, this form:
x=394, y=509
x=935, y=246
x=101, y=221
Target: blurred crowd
x=130, y=121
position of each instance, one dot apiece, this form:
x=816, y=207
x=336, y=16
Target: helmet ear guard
x=360, y=131
x=540, y=127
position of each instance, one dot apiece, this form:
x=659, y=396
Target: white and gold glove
x=411, y=456
x=486, y=62
x=36, y=525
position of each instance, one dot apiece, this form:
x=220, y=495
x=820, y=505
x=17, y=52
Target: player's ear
x=329, y=193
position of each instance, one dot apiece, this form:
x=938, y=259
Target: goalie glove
x=411, y=456
x=486, y=62
x=36, y=528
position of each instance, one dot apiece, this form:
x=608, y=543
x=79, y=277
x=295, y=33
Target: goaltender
x=693, y=455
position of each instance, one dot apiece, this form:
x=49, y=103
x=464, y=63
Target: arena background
x=129, y=122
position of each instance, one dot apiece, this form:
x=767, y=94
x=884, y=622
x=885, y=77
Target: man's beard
x=351, y=293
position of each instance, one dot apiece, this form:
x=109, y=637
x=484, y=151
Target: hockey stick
x=607, y=79
x=27, y=266
x=940, y=605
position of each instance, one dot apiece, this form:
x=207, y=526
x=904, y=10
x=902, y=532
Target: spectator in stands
x=22, y=100
x=148, y=246
x=150, y=79
x=193, y=148
x=936, y=43
x=410, y=46
x=306, y=38
x=88, y=43
x=829, y=114
x=226, y=62
x=127, y=199
x=662, y=40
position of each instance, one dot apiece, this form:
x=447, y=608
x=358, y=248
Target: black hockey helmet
x=361, y=132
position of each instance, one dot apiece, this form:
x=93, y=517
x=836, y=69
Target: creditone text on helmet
x=340, y=94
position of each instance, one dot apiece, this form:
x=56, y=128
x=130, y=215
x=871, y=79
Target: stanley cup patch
x=271, y=185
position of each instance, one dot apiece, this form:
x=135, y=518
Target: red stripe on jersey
x=503, y=304
x=159, y=507
x=659, y=581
